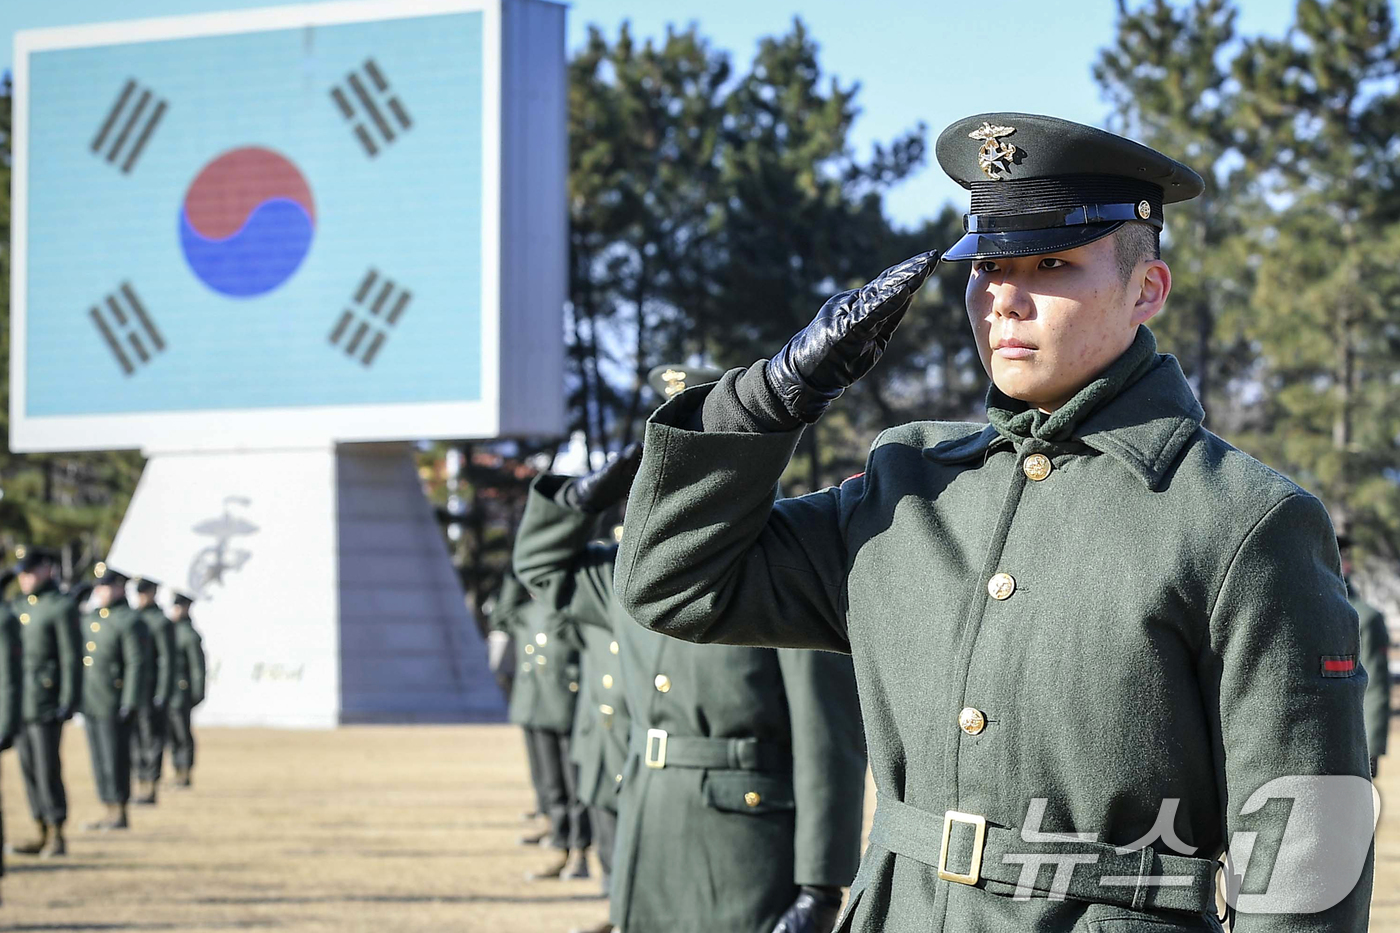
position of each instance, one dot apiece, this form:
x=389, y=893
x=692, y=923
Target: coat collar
x=1144, y=427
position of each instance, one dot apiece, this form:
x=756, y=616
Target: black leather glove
x=123, y=713
x=158, y=703
x=63, y=714
x=845, y=339
x=7, y=741
x=602, y=488
x=815, y=911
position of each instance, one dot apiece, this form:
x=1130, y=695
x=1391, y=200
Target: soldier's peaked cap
x=1041, y=184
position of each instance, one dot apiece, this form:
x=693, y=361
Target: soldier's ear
x=1154, y=279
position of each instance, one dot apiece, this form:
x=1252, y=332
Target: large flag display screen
x=293, y=210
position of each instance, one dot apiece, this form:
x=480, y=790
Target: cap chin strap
x=1047, y=220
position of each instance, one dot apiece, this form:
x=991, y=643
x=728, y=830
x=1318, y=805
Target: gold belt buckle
x=979, y=825
x=655, y=755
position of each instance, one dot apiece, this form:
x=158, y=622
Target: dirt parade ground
x=383, y=829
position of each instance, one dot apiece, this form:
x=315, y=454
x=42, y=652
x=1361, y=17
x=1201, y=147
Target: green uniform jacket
x=721, y=848
x=187, y=666
x=544, y=694
x=52, y=668
x=601, y=723
x=114, y=668
x=159, y=655
x=1375, y=656
x=11, y=673
x=1155, y=616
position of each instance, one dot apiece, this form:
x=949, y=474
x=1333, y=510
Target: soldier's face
x=31, y=580
x=1047, y=325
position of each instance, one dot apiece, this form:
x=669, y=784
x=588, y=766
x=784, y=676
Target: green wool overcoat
x=544, y=693
x=764, y=760
x=1375, y=656
x=159, y=655
x=601, y=723
x=114, y=664
x=52, y=659
x=11, y=673
x=1061, y=624
x=187, y=666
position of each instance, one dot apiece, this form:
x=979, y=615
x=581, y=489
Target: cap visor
x=1027, y=242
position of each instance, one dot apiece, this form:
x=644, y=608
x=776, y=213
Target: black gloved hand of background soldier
x=845, y=339
x=608, y=486
x=816, y=910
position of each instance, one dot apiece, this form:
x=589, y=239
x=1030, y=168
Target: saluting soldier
x=152, y=720
x=51, y=669
x=1092, y=638
x=741, y=796
x=1375, y=657
x=114, y=680
x=187, y=687
x=11, y=679
x=543, y=700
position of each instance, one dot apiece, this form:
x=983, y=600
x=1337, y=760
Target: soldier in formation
x=114, y=683
x=740, y=803
x=544, y=696
x=1375, y=657
x=1065, y=733
x=186, y=687
x=51, y=670
x=152, y=718
x=11, y=697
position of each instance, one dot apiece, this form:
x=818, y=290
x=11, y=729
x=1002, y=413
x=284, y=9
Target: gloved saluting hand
x=815, y=911
x=845, y=339
x=602, y=488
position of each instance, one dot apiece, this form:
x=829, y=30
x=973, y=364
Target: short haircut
x=1132, y=243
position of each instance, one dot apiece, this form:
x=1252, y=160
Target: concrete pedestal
x=324, y=590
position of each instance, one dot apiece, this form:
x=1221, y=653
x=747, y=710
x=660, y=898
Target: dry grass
x=383, y=829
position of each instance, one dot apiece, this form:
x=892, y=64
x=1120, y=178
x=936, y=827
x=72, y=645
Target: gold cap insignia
x=19, y=551
x=1144, y=210
x=995, y=158
x=675, y=382
x=99, y=570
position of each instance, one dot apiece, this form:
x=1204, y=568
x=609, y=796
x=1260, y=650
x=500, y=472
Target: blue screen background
x=413, y=213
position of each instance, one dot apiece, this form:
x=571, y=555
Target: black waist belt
x=660, y=749
x=965, y=849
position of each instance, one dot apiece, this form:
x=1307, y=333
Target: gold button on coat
x=971, y=720
x=92, y=646
x=613, y=647
x=541, y=639
x=1036, y=466
x=33, y=599
x=96, y=626
x=87, y=662
x=24, y=618
x=184, y=685
x=525, y=666
x=529, y=649
x=605, y=709
x=573, y=686
x=1001, y=585
x=103, y=613
x=117, y=682
x=541, y=660
x=752, y=799
x=607, y=681
x=663, y=683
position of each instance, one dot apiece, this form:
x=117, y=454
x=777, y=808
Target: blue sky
x=915, y=60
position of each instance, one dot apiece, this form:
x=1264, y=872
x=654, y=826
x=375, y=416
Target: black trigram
x=378, y=307
x=127, y=328
x=373, y=109
x=129, y=125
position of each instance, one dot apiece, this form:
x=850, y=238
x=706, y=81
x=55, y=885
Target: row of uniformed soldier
x=543, y=702
x=734, y=775
x=102, y=665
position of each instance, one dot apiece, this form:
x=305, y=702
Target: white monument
x=271, y=248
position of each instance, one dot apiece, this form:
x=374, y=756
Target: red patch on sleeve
x=1338, y=665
